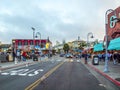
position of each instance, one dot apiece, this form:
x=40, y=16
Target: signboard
x=113, y=21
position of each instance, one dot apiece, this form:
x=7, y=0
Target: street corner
x=115, y=81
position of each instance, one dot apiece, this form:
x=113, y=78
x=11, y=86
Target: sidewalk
x=9, y=65
x=113, y=74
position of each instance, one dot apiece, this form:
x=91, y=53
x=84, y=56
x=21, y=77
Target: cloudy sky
x=58, y=19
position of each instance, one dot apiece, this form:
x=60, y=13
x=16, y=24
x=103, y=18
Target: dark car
x=62, y=55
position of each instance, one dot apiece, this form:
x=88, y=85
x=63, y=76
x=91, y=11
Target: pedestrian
x=80, y=55
x=14, y=55
x=18, y=55
x=24, y=55
x=115, y=58
x=100, y=56
x=85, y=57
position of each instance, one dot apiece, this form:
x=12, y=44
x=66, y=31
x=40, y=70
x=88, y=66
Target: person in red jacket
x=24, y=55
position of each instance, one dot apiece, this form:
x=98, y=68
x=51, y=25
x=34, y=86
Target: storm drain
x=118, y=79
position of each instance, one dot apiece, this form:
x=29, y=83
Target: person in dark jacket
x=14, y=55
x=86, y=57
x=115, y=58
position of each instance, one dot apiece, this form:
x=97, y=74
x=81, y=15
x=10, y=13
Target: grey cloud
x=65, y=19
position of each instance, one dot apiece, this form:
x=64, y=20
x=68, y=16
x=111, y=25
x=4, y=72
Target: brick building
x=114, y=25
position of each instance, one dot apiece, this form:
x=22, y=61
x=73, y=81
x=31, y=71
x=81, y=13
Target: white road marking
x=41, y=70
x=78, y=60
x=5, y=73
x=13, y=74
x=17, y=72
x=58, y=60
x=102, y=85
x=36, y=72
x=24, y=74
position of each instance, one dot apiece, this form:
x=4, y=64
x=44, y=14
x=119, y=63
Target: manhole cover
x=118, y=79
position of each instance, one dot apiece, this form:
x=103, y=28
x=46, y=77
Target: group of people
x=111, y=56
x=21, y=55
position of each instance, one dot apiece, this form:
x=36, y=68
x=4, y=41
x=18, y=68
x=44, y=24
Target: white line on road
x=24, y=74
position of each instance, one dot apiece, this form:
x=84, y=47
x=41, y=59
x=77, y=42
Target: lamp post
x=91, y=36
x=40, y=41
x=106, y=38
x=13, y=49
x=33, y=36
x=78, y=41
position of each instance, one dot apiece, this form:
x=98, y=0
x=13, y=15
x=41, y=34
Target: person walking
x=14, y=55
x=18, y=55
x=85, y=57
x=24, y=55
x=115, y=58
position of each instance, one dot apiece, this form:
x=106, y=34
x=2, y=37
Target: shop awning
x=114, y=44
x=98, y=47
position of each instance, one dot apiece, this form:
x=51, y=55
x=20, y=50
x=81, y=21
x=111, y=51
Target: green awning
x=114, y=44
x=98, y=47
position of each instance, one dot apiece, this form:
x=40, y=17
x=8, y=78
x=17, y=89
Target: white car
x=69, y=55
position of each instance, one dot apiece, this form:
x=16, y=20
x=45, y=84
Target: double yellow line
x=36, y=83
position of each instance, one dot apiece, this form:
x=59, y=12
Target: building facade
x=4, y=47
x=29, y=44
x=113, y=24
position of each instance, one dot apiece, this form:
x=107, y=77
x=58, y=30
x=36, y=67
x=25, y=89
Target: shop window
x=25, y=42
x=31, y=42
x=19, y=43
x=37, y=43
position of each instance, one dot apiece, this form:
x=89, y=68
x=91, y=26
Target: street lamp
x=38, y=33
x=33, y=36
x=106, y=36
x=78, y=41
x=91, y=36
x=13, y=49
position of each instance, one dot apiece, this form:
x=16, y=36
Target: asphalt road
x=71, y=76
x=54, y=74
x=20, y=78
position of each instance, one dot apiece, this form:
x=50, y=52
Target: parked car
x=69, y=55
x=62, y=55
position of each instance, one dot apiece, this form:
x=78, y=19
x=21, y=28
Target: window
x=31, y=42
x=25, y=42
x=19, y=42
x=37, y=43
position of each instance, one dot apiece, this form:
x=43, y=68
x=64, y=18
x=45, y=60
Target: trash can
x=95, y=60
x=35, y=57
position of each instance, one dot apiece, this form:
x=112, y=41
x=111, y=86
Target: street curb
x=17, y=65
x=105, y=75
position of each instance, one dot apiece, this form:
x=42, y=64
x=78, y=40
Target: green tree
x=82, y=45
x=66, y=48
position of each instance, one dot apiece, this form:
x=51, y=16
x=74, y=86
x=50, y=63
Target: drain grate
x=118, y=79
